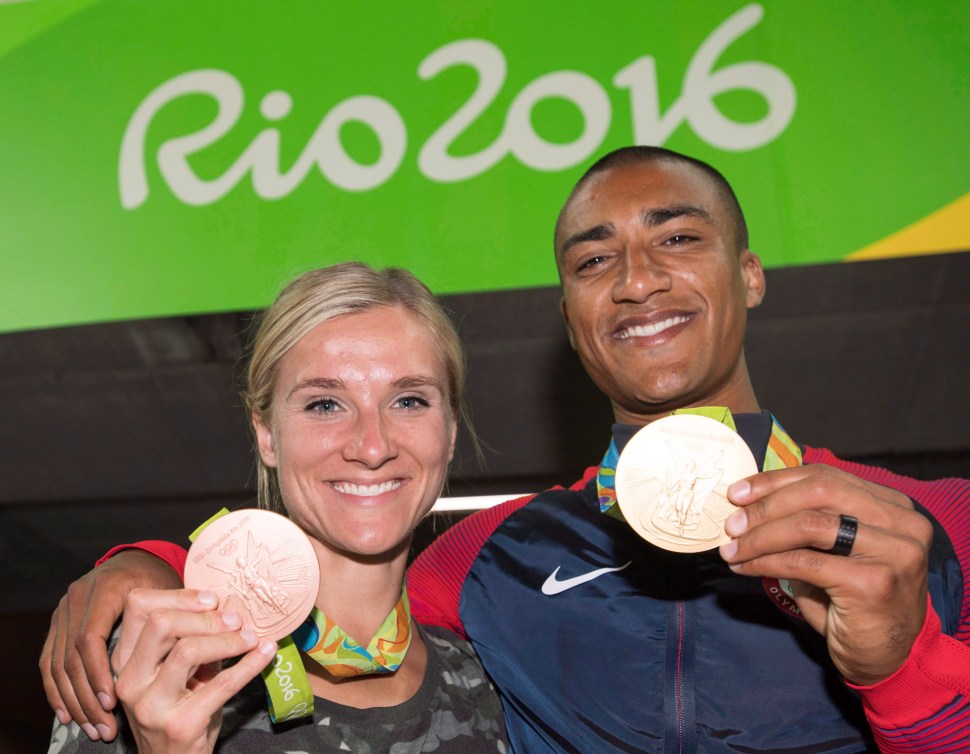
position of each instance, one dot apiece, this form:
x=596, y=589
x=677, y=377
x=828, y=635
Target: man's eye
x=412, y=402
x=679, y=239
x=591, y=262
x=322, y=405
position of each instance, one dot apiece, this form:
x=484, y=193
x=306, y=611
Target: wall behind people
x=165, y=167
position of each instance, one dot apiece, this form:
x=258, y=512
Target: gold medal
x=672, y=479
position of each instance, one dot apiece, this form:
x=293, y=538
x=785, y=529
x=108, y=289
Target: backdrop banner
x=183, y=157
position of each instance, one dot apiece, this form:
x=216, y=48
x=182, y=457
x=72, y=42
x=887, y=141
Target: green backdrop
x=177, y=157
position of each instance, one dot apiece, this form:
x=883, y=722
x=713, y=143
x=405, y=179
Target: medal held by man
x=672, y=479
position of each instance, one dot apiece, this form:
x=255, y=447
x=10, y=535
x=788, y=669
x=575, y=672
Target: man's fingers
x=50, y=687
x=67, y=675
x=766, y=483
x=779, y=494
x=90, y=643
x=796, y=548
x=803, y=529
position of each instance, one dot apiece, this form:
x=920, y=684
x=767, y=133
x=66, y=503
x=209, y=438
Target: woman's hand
x=168, y=661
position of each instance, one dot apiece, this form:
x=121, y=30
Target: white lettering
x=701, y=85
x=297, y=711
x=584, y=92
x=261, y=158
x=489, y=62
x=132, y=180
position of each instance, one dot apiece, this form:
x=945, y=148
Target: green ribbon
x=782, y=453
x=287, y=686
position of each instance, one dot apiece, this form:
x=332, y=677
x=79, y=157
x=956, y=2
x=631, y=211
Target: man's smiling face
x=655, y=289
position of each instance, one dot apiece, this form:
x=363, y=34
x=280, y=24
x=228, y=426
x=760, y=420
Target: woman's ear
x=454, y=440
x=264, y=440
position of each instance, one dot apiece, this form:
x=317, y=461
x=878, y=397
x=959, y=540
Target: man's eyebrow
x=651, y=218
x=654, y=217
x=596, y=233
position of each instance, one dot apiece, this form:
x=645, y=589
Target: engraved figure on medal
x=672, y=480
x=272, y=585
x=264, y=585
x=689, y=482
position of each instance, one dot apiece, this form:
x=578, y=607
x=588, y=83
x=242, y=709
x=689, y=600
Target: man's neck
x=754, y=428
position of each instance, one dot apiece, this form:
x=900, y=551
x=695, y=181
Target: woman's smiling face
x=360, y=432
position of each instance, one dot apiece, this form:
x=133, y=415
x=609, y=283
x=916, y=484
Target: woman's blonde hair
x=320, y=295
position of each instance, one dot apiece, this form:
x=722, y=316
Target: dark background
x=117, y=432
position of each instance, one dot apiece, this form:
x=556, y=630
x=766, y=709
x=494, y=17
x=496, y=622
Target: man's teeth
x=366, y=490
x=645, y=331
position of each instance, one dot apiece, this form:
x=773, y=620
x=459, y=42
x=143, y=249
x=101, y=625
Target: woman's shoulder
x=456, y=656
x=466, y=714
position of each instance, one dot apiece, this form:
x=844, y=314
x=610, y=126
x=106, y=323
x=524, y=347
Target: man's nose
x=371, y=442
x=639, y=276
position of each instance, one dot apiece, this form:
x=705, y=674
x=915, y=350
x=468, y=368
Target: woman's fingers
x=161, y=630
x=141, y=604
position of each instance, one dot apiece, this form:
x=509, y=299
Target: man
x=599, y=641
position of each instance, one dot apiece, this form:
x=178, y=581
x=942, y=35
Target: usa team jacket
x=599, y=642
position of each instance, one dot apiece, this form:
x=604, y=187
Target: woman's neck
x=357, y=593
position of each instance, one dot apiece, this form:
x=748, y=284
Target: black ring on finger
x=848, y=528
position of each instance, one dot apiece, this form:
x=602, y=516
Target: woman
x=354, y=389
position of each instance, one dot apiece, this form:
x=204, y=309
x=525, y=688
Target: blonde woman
x=355, y=390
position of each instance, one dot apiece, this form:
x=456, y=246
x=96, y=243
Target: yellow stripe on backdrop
x=945, y=230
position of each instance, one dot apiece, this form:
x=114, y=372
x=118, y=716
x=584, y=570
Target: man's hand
x=74, y=661
x=869, y=605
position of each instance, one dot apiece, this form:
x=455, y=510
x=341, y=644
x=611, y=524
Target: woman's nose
x=370, y=443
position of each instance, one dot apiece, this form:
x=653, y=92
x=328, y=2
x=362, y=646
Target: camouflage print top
x=455, y=711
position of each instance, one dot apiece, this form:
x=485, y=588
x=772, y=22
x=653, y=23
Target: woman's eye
x=323, y=405
x=412, y=402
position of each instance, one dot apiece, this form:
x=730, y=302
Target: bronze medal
x=261, y=565
x=672, y=479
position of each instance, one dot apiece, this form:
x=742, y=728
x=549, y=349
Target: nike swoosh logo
x=555, y=586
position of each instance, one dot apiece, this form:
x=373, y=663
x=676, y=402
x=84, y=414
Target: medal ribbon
x=287, y=685
x=782, y=453
x=329, y=644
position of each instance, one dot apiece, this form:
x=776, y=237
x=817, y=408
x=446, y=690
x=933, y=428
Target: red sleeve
x=436, y=577
x=170, y=553
x=925, y=705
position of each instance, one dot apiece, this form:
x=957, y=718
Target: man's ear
x=264, y=440
x=565, y=317
x=754, y=278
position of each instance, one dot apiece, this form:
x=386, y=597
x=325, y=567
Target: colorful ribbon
x=329, y=644
x=782, y=453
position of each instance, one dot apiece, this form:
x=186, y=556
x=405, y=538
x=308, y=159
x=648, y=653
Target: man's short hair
x=638, y=155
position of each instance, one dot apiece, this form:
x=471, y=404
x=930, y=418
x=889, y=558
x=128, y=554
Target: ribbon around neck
x=329, y=644
x=782, y=453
